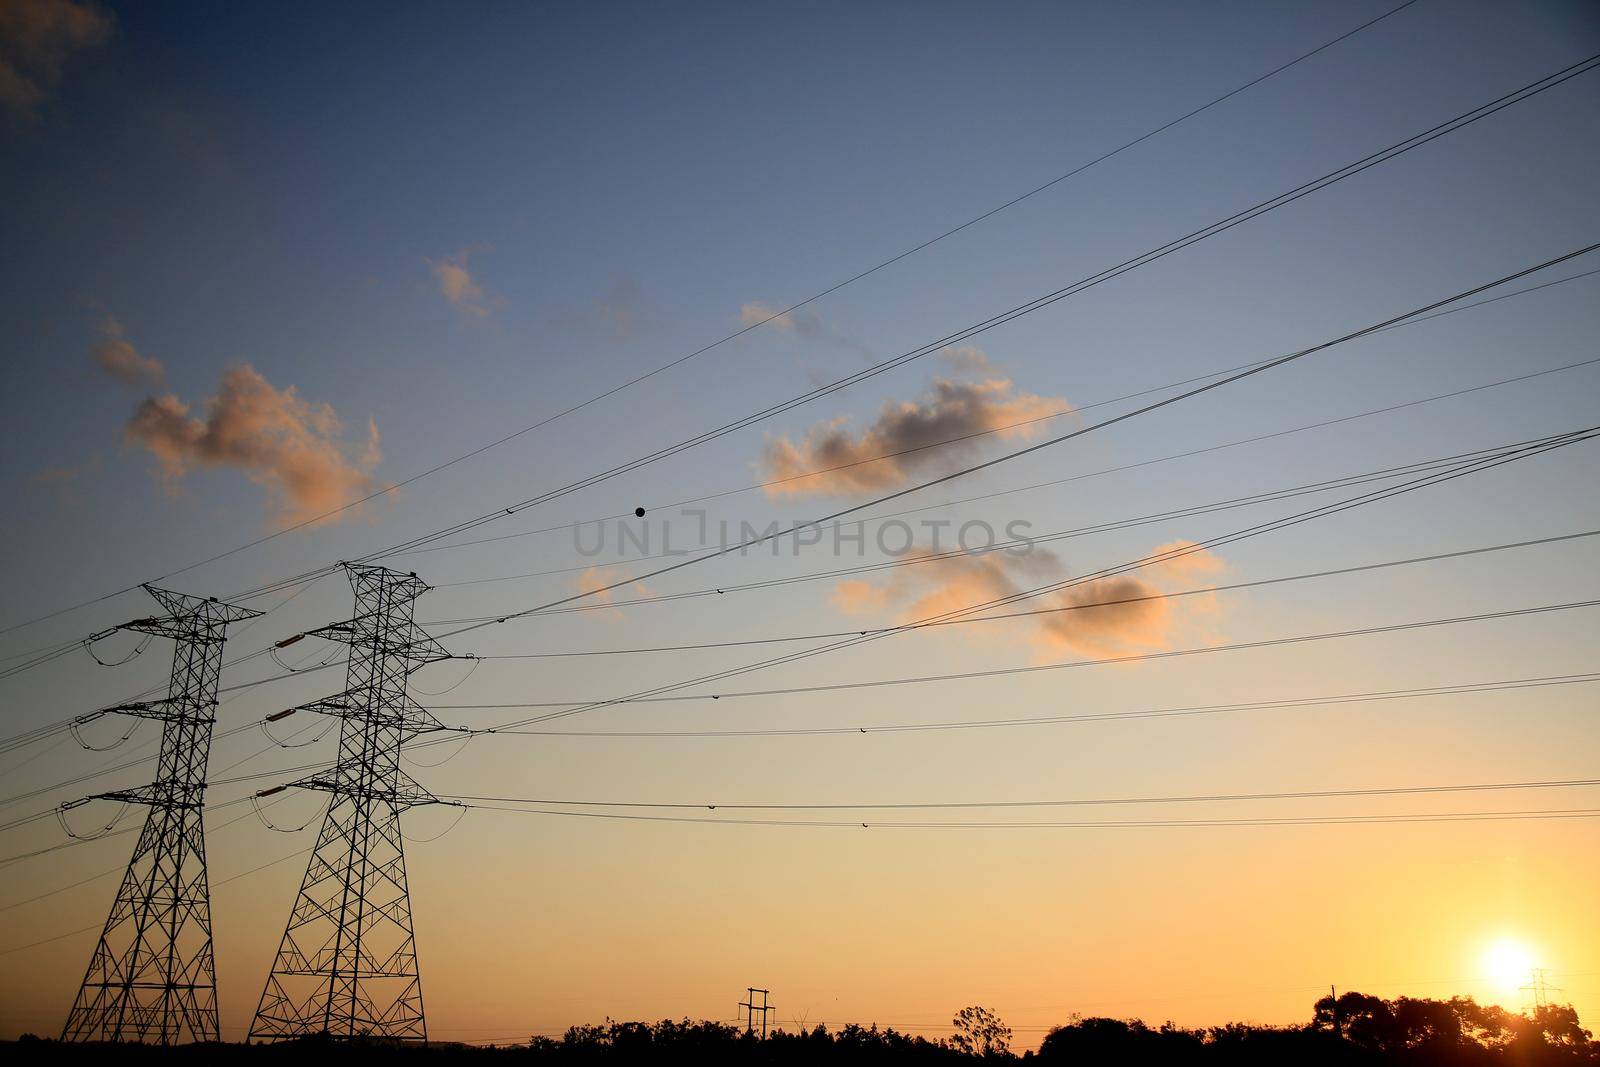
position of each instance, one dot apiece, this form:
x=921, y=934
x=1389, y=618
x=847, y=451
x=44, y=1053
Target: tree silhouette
x=979, y=1032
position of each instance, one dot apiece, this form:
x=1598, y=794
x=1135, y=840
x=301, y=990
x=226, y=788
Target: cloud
x=1137, y=614
x=954, y=410
x=804, y=323
x=280, y=440
x=615, y=315
x=63, y=479
x=37, y=38
x=115, y=355
x=598, y=577
x=458, y=286
x=966, y=359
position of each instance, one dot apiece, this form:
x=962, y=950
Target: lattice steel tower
x=347, y=965
x=153, y=974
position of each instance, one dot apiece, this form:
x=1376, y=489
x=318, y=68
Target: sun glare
x=1507, y=964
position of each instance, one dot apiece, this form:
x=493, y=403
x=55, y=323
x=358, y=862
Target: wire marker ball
x=638, y=513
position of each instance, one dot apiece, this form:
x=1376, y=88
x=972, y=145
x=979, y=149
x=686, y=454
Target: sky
x=264, y=262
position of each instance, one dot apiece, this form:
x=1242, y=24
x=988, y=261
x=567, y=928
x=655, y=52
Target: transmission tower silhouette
x=751, y=1007
x=153, y=973
x=347, y=964
x=1539, y=988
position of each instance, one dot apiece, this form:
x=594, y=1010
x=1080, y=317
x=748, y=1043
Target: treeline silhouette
x=1354, y=1029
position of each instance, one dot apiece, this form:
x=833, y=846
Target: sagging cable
x=283, y=742
x=255, y=803
x=93, y=835
x=460, y=814
x=466, y=739
x=77, y=734
x=454, y=686
x=138, y=649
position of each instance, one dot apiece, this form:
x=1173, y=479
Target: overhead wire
x=1511, y=455
x=1460, y=121
x=1083, y=824
x=852, y=509
x=1185, y=711
x=1075, y=410
x=1017, y=544
x=1084, y=606
x=829, y=290
x=1067, y=802
x=997, y=672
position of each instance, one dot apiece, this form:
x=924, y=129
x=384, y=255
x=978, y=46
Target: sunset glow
x=593, y=510
x=1508, y=965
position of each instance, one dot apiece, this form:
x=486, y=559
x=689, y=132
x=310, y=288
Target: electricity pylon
x=153, y=974
x=347, y=965
x=751, y=1007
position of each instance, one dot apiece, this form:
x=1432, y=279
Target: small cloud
x=458, y=286
x=966, y=359
x=855, y=597
x=115, y=355
x=61, y=479
x=756, y=313
x=903, y=431
x=594, y=581
x=1134, y=613
x=279, y=440
x=615, y=315
x=37, y=38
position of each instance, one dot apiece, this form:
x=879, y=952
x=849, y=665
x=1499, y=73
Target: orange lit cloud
x=277, y=438
x=594, y=580
x=457, y=285
x=37, y=38
x=115, y=355
x=804, y=323
x=848, y=461
x=1136, y=614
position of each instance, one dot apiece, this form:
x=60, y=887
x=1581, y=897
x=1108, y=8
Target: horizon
x=1289, y=517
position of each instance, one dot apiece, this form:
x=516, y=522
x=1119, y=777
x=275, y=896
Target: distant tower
x=1538, y=989
x=347, y=965
x=153, y=974
x=751, y=1007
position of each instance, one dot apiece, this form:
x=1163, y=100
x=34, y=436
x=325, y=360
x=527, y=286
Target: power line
x=931, y=557
x=1399, y=148
x=997, y=672
x=90, y=929
x=1101, y=824
x=1292, y=703
x=1254, y=583
x=1076, y=410
x=1477, y=466
x=1050, y=442
x=858, y=276
x=1201, y=798
x=38, y=733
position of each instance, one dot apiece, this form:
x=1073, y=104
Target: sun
x=1507, y=964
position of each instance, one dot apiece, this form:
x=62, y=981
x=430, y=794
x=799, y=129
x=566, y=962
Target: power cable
x=1293, y=703
x=1477, y=466
x=858, y=276
x=1201, y=798
x=1417, y=140
x=997, y=672
x=1085, y=606
x=1048, y=443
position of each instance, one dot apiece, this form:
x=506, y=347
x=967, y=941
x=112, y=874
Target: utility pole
x=153, y=973
x=751, y=1007
x=1539, y=989
x=347, y=964
x=1333, y=995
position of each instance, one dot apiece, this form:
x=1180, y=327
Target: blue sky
x=280, y=188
